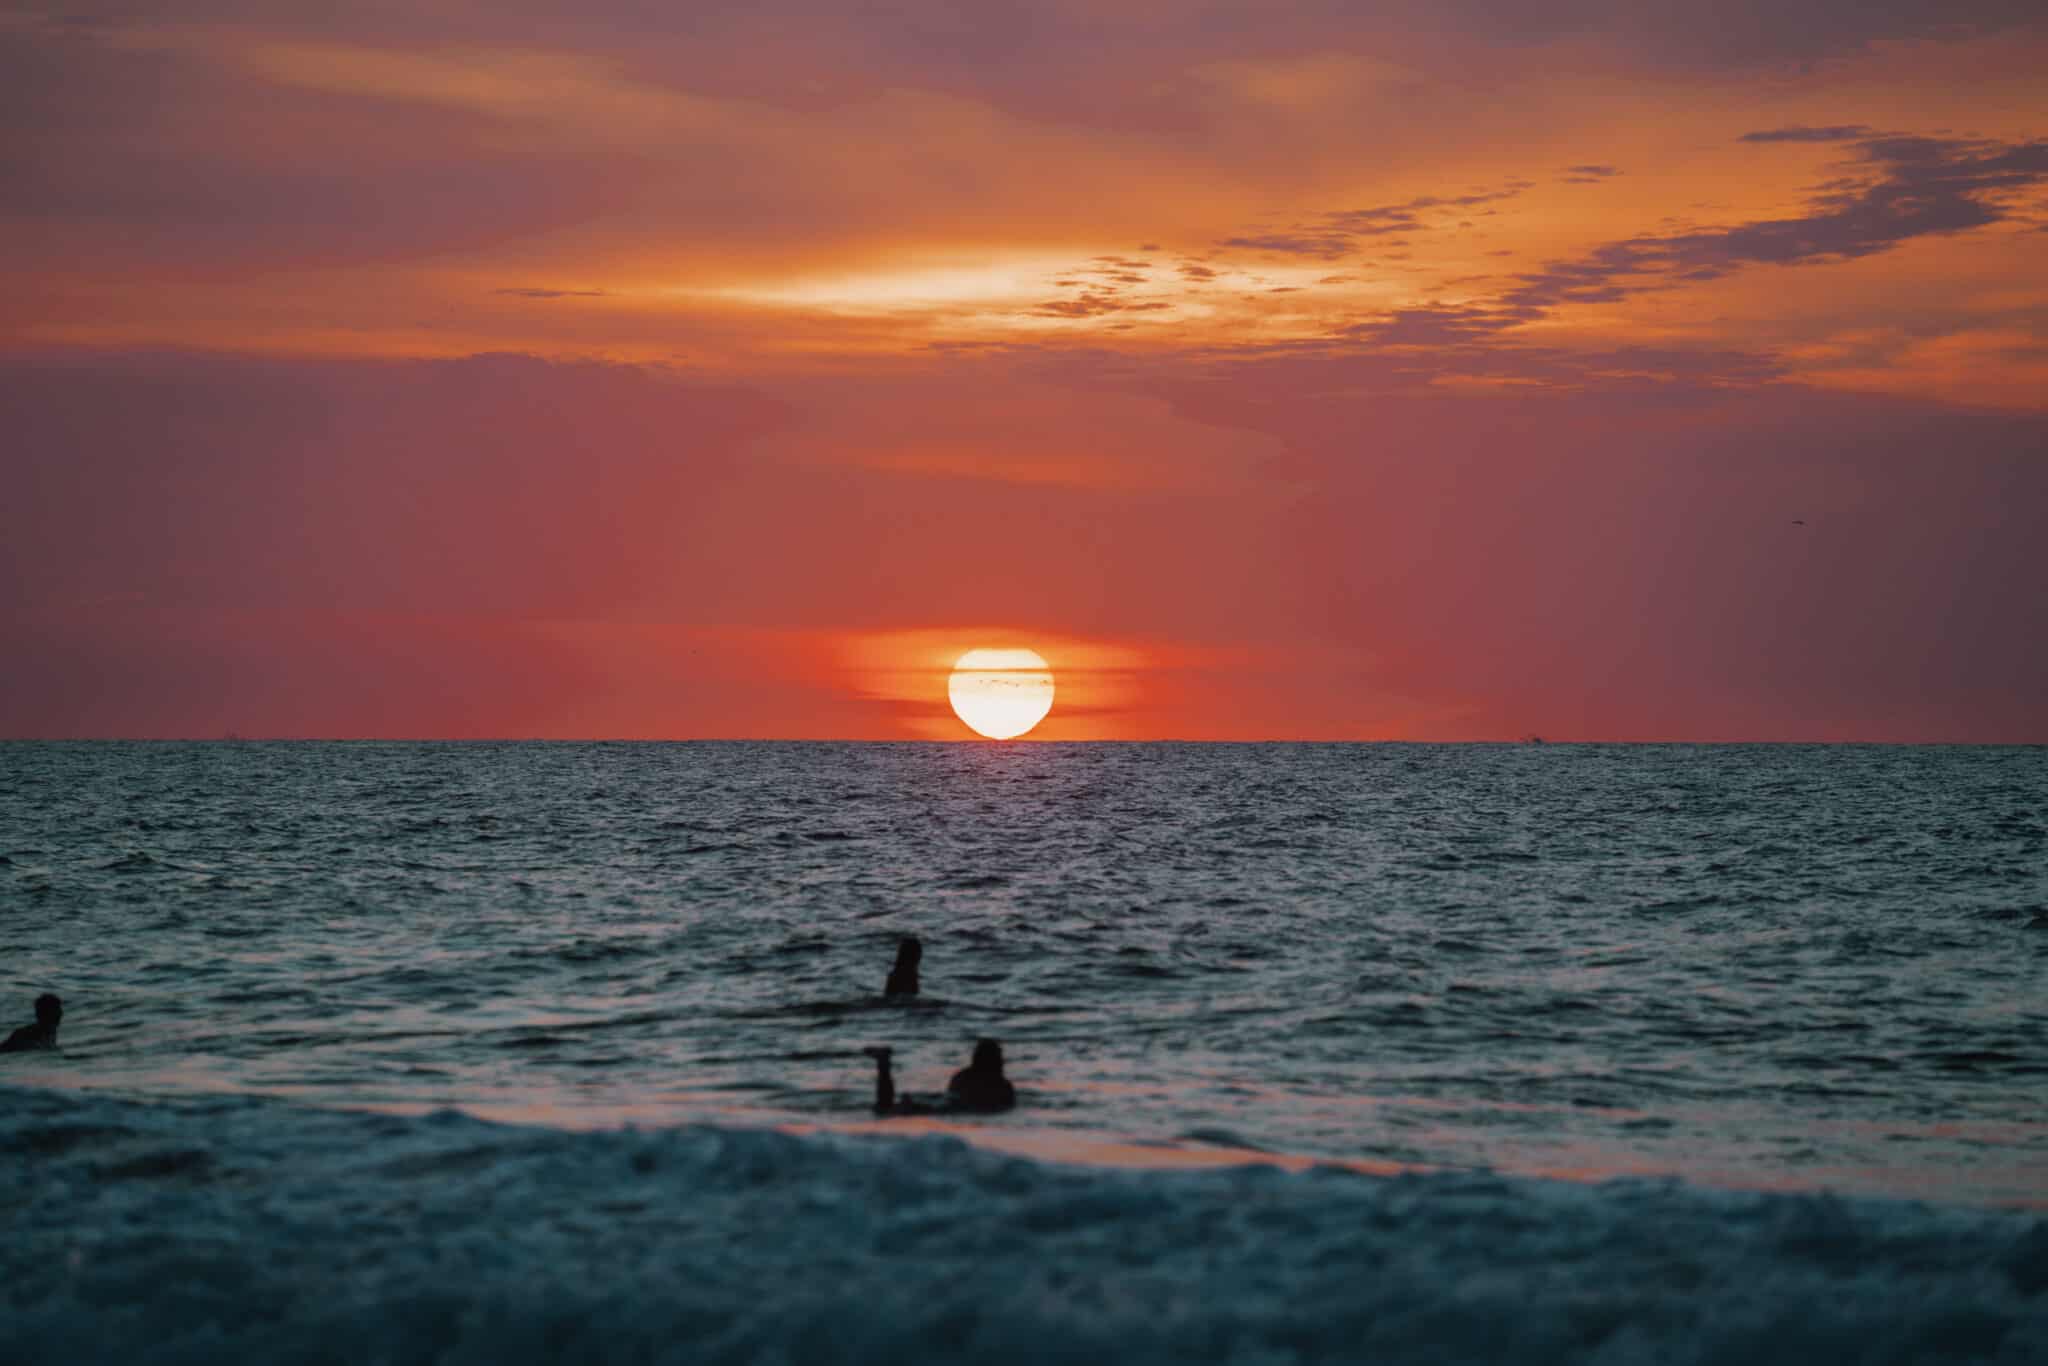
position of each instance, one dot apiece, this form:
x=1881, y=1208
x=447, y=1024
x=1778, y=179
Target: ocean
x=1414, y=1052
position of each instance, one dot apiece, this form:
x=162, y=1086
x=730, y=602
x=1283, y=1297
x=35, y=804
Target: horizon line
x=1528, y=741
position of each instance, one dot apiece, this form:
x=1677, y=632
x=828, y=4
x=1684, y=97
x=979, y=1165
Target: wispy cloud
x=1897, y=189
x=1096, y=304
x=1323, y=246
x=1894, y=189
x=1838, y=132
x=1341, y=232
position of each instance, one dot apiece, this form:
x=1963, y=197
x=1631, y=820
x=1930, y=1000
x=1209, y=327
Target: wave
x=248, y=1228
x=134, y=861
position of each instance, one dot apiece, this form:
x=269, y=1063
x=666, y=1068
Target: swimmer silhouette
x=980, y=1088
x=41, y=1034
x=903, y=977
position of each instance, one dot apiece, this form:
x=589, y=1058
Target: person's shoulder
x=977, y=1091
x=28, y=1038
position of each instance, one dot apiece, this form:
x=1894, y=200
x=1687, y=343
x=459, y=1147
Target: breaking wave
x=240, y=1228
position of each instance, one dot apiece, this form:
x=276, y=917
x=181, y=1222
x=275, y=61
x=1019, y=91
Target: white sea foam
x=205, y=1230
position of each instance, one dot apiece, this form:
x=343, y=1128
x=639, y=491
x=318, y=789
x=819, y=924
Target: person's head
x=49, y=1010
x=988, y=1056
x=910, y=952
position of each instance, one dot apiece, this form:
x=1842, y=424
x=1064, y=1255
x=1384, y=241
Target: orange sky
x=1468, y=370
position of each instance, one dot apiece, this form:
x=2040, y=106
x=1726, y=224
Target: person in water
x=903, y=977
x=41, y=1034
x=980, y=1088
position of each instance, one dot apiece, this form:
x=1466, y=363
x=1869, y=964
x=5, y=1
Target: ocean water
x=1743, y=1001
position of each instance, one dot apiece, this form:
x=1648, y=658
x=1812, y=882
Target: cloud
x=1895, y=189
x=1323, y=246
x=1838, y=132
x=1341, y=232
x=138, y=144
x=1732, y=33
x=1433, y=326
x=528, y=293
x=1899, y=189
x=1106, y=285
x=1096, y=304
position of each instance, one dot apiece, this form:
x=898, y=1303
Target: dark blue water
x=1803, y=967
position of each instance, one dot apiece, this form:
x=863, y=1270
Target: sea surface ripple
x=1798, y=967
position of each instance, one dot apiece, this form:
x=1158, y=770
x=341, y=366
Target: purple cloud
x=1835, y=132
x=1898, y=189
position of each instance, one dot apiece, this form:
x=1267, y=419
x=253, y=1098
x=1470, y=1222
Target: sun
x=1001, y=693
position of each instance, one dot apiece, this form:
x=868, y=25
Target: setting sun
x=1001, y=694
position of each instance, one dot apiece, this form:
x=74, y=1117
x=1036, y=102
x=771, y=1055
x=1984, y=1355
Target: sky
x=1276, y=369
